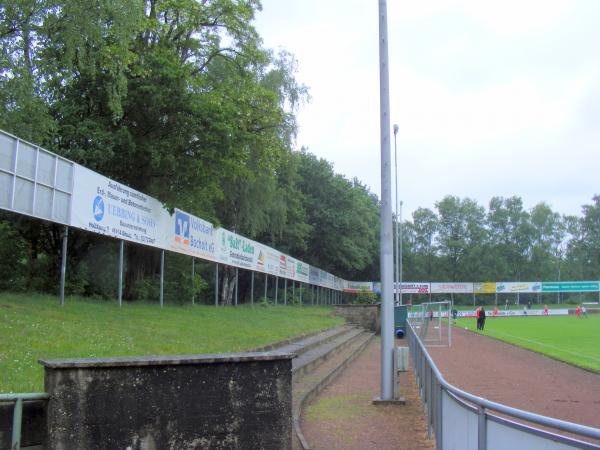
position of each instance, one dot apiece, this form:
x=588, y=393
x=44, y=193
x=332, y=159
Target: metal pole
x=266, y=283
x=396, y=285
x=252, y=290
x=121, y=252
x=276, y=288
x=63, y=266
x=285, y=291
x=293, y=291
x=193, y=277
x=400, y=239
x=217, y=284
x=312, y=294
x=386, y=250
x=162, y=277
x=300, y=288
x=17, y=422
x=236, y=286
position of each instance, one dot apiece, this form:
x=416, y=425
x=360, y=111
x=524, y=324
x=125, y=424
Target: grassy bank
x=33, y=326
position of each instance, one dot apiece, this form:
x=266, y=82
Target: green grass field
x=565, y=338
x=35, y=326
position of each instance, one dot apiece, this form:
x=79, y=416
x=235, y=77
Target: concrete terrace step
x=310, y=359
x=308, y=384
x=307, y=343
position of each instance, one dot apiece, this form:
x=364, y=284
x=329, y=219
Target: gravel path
x=342, y=416
x=520, y=378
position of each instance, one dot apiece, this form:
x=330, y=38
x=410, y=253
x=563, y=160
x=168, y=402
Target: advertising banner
x=268, y=259
x=518, y=287
x=359, y=286
x=415, y=288
x=104, y=206
x=484, y=288
x=314, y=275
x=302, y=271
x=490, y=313
x=326, y=280
x=192, y=236
x=235, y=250
x=287, y=267
x=571, y=286
x=451, y=288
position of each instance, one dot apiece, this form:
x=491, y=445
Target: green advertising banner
x=571, y=286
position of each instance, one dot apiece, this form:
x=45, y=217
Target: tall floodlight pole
x=400, y=239
x=387, y=244
x=396, y=286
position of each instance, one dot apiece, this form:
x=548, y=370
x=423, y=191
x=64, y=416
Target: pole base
x=394, y=401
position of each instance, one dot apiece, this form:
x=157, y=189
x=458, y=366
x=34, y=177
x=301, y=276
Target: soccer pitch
x=566, y=338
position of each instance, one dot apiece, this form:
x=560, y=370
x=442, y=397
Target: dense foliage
x=178, y=99
x=462, y=241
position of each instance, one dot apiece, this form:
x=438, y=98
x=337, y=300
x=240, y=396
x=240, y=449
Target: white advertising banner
x=518, y=287
x=192, y=236
x=358, y=286
x=490, y=312
x=111, y=208
x=451, y=288
x=235, y=250
x=302, y=271
x=415, y=288
x=268, y=259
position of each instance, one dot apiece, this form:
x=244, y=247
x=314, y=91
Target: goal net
x=430, y=322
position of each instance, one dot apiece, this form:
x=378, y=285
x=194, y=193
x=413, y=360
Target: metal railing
x=460, y=420
x=18, y=400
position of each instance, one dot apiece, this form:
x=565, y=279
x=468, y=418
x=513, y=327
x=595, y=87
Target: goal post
x=432, y=323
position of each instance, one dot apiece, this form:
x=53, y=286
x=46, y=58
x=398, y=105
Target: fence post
x=252, y=290
x=236, y=286
x=63, y=266
x=217, y=284
x=17, y=420
x=162, y=277
x=481, y=428
x=193, y=284
x=121, y=252
x=266, y=284
x=439, y=416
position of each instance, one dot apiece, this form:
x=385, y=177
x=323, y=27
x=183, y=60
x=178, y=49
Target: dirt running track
x=520, y=378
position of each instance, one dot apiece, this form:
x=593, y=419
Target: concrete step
x=307, y=343
x=307, y=384
x=309, y=360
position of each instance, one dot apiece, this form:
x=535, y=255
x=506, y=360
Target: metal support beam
x=162, y=277
x=266, y=284
x=17, y=421
x=193, y=284
x=63, y=266
x=121, y=255
x=252, y=289
x=285, y=291
x=217, y=284
x=236, y=286
x=276, y=288
x=293, y=291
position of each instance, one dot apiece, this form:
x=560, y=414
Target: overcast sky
x=491, y=97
